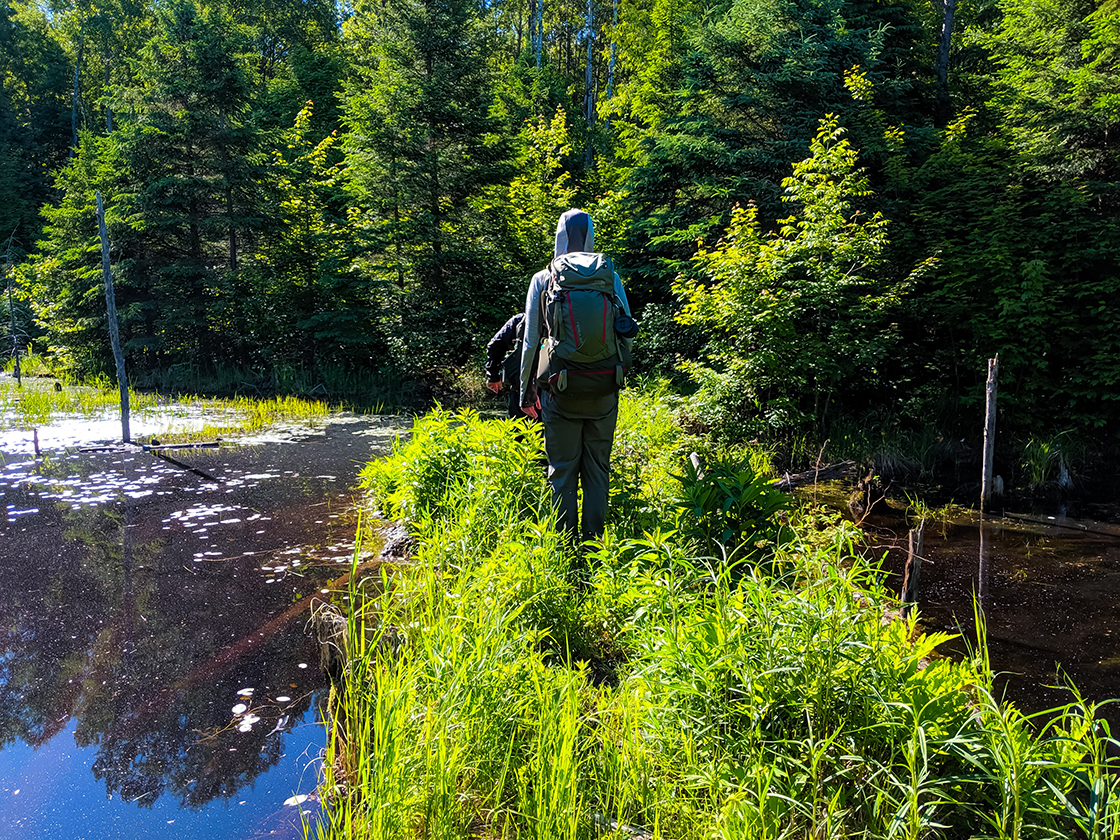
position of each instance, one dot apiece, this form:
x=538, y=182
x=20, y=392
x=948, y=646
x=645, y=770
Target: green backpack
x=582, y=355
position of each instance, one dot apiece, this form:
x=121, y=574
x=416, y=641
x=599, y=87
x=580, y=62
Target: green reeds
x=36, y=403
x=665, y=693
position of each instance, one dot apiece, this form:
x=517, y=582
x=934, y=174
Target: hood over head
x=574, y=232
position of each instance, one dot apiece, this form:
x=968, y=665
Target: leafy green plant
x=1046, y=459
x=730, y=508
x=667, y=692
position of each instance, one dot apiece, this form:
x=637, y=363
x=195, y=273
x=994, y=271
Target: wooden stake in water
x=982, y=584
x=114, y=328
x=989, y=433
x=913, y=569
x=12, y=306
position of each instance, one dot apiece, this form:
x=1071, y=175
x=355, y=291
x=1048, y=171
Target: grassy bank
x=37, y=401
x=717, y=668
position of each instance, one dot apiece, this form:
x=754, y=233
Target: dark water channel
x=1049, y=587
x=157, y=678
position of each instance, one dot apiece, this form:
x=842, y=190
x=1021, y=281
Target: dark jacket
x=503, y=353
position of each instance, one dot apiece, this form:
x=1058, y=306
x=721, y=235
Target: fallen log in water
x=829, y=473
x=155, y=447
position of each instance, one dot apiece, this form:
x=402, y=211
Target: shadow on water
x=1049, y=587
x=156, y=674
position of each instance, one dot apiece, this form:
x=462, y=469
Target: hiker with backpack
x=503, y=362
x=574, y=360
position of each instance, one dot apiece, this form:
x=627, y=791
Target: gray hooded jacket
x=574, y=232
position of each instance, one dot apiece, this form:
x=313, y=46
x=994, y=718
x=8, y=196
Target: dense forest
x=825, y=211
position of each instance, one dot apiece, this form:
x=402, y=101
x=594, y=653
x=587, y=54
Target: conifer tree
x=422, y=148
x=187, y=188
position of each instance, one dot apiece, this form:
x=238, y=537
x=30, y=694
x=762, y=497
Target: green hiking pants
x=578, y=435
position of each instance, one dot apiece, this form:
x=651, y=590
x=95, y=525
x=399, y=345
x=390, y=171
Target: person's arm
x=499, y=347
x=531, y=346
x=620, y=292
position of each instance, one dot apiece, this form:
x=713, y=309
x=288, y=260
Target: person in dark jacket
x=503, y=362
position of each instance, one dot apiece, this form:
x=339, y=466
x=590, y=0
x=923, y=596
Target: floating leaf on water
x=298, y=799
x=245, y=727
x=244, y=692
x=249, y=720
x=239, y=708
x=283, y=698
x=303, y=665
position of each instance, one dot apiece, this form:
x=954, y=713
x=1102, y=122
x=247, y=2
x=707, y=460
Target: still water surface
x=157, y=678
x=1049, y=588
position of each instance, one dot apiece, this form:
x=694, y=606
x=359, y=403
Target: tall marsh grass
x=664, y=693
x=37, y=402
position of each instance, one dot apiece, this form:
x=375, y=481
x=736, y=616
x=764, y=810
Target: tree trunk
x=114, y=327
x=950, y=9
x=232, y=229
x=989, y=433
x=538, y=46
x=74, y=98
x=108, y=106
x=588, y=89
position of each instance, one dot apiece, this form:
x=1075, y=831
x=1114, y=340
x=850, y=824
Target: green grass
x=37, y=402
x=493, y=691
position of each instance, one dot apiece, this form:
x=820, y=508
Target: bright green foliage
x=1027, y=269
x=489, y=694
x=648, y=446
x=449, y=453
x=34, y=123
x=65, y=281
x=316, y=308
x=185, y=192
x=1057, y=82
x=539, y=192
x=654, y=38
x=800, y=317
x=758, y=77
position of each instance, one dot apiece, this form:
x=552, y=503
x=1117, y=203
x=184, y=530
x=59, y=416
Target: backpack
x=582, y=355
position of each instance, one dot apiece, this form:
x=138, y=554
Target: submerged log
x=829, y=473
x=154, y=448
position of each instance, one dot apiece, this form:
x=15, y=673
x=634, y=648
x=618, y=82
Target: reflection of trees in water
x=94, y=627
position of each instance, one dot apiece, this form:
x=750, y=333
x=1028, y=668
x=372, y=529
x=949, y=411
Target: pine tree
x=754, y=84
x=422, y=148
x=187, y=188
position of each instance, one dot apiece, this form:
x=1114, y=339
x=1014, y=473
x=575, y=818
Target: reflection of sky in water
x=144, y=606
x=59, y=773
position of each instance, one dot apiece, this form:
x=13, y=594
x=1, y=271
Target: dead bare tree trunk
x=588, y=84
x=989, y=433
x=949, y=11
x=913, y=569
x=12, y=306
x=114, y=327
x=74, y=96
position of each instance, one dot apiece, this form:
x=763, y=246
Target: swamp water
x=1049, y=587
x=157, y=676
